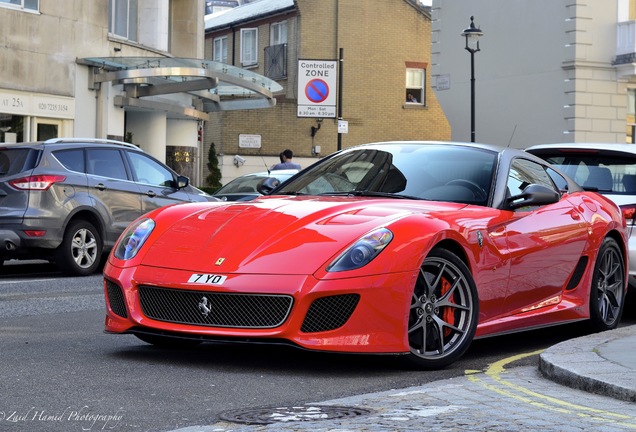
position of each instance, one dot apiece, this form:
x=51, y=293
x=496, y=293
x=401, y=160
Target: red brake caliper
x=448, y=313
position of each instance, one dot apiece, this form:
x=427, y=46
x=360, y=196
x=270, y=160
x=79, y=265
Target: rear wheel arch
x=88, y=216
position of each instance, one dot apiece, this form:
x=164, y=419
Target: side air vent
x=116, y=299
x=579, y=270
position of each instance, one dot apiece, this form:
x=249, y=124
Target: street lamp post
x=472, y=35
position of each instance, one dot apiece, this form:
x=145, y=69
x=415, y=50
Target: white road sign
x=317, y=88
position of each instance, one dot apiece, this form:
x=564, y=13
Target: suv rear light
x=35, y=233
x=36, y=182
x=629, y=213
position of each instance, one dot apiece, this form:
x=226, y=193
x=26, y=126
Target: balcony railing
x=276, y=61
x=625, y=42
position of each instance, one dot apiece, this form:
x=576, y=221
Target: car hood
x=295, y=235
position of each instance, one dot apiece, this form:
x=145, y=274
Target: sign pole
x=340, y=75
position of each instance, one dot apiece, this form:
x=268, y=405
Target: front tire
x=444, y=311
x=607, y=294
x=81, y=249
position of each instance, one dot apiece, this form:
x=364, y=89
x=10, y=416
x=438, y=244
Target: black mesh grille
x=116, y=299
x=215, y=309
x=329, y=313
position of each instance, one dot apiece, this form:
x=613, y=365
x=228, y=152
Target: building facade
x=547, y=71
x=123, y=69
x=380, y=53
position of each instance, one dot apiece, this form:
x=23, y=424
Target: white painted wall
x=543, y=74
x=149, y=132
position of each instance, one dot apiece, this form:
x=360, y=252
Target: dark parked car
x=68, y=200
x=243, y=188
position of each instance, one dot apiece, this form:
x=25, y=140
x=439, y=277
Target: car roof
x=626, y=148
x=491, y=147
x=62, y=141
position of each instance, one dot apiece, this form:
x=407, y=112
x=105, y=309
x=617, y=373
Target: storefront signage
x=37, y=105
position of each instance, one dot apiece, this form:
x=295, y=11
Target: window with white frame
x=249, y=46
x=22, y=4
x=220, y=49
x=415, y=86
x=278, y=33
x=122, y=20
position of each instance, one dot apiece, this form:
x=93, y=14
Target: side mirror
x=267, y=185
x=534, y=195
x=182, y=182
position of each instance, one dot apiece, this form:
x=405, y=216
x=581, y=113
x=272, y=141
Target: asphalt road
x=59, y=371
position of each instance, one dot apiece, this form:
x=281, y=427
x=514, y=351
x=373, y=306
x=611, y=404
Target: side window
x=122, y=19
x=523, y=173
x=149, y=171
x=106, y=163
x=278, y=33
x=72, y=160
x=220, y=50
x=415, y=86
x=22, y=4
x=558, y=180
x=249, y=46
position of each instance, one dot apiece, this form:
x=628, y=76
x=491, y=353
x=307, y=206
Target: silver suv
x=68, y=200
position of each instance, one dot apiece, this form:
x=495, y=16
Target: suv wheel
x=81, y=249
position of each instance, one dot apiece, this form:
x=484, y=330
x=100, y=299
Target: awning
x=215, y=86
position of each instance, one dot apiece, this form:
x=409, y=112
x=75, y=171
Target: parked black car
x=68, y=200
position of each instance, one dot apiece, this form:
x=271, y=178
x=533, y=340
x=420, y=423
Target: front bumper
x=377, y=322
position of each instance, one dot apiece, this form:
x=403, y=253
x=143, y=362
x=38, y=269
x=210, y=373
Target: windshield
x=421, y=171
x=248, y=183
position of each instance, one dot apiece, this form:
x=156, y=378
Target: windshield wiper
x=293, y=193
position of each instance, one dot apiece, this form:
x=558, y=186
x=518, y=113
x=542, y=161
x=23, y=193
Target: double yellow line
x=538, y=400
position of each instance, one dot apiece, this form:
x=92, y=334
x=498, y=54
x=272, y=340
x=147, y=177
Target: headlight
x=363, y=251
x=133, y=238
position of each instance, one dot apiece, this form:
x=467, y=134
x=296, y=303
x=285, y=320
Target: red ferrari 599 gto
x=411, y=248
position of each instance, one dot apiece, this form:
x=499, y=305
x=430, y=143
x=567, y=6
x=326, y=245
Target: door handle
x=575, y=215
x=100, y=186
x=151, y=194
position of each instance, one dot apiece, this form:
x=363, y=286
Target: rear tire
x=607, y=294
x=81, y=249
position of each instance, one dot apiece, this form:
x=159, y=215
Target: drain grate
x=265, y=416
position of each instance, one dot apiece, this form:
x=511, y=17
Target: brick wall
x=378, y=38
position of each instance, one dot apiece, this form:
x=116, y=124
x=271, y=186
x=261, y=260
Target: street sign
x=317, y=88
x=343, y=126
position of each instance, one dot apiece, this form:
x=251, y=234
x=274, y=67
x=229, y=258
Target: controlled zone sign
x=317, y=88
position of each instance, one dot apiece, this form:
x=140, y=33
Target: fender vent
x=578, y=273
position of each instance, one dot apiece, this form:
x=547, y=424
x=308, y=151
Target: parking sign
x=317, y=88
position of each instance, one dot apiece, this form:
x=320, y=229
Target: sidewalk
x=517, y=399
x=602, y=363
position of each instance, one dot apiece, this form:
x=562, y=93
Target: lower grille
x=215, y=309
x=116, y=299
x=329, y=313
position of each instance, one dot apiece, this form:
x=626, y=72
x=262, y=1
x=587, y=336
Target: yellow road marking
x=495, y=370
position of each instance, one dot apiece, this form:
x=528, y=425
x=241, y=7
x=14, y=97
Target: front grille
x=329, y=313
x=116, y=299
x=215, y=309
